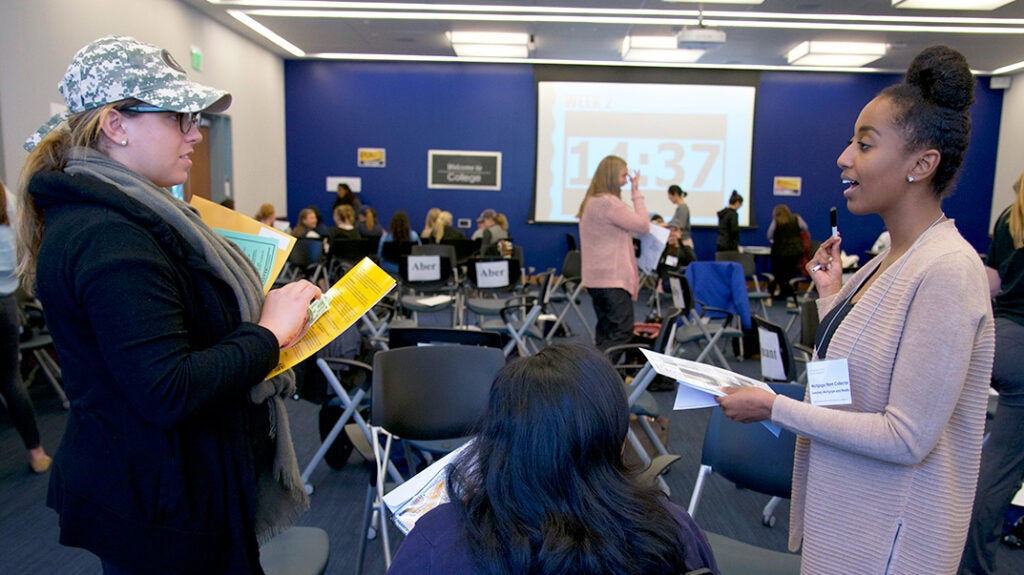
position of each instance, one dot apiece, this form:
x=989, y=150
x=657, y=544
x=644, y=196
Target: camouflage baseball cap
x=115, y=68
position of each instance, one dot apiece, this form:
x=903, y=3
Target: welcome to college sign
x=464, y=170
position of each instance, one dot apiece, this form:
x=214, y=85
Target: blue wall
x=802, y=123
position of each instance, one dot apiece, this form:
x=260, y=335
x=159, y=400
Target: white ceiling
x=597, y=32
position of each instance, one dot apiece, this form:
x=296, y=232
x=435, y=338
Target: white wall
x=1010, y=155
x=38, y=38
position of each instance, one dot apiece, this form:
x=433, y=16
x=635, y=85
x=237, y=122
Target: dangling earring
x=909, y=178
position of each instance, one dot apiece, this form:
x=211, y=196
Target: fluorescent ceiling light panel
x=950, y=4
x=657, y=49
x=837, y=54
x=470, y=44
x=266, y=33
x=489, y=38
x=490, y=51
x=754, y=2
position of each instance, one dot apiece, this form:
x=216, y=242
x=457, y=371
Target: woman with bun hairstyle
x=543, y=488
x=177, y=457
x=884, y=479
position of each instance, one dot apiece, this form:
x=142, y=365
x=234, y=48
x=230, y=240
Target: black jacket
x=156, y=471
x=728, y=230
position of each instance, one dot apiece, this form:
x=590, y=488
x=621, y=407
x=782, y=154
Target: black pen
x=835, y=232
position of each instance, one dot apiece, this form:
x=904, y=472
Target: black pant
x=1002, y=459
x=614, y=310
x=784, y=268
x=19, y=405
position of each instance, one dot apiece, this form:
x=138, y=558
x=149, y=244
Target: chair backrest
x=443, y=250
x=393, y=251
x=353, y=251
x=307, y=251
x=744, y=259
x=572, y=265
x=493, y=274
x=432, y=392
x=721, y=285
x=748, y=454
x=414, y=336
x=777, y=363
x=464, y=249
x=667, y=321
x=808, y=322
x=682, y=295
x=571, y=243
x=425, y=271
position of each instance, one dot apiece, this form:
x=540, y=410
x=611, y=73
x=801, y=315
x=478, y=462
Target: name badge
x=828, y=382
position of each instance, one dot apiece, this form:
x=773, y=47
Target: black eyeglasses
x=185, y=119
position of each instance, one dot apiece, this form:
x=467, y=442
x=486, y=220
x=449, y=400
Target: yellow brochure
x=340, y=307
x=220, y=219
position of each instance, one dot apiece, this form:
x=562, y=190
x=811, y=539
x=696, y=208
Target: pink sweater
x=606, y=242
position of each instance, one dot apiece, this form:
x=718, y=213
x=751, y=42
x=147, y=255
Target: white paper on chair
x=434, y=300
x=492, y=274
x=421, y=493
x=771, y=355
x=651, y=245
x=703, y=379
x=424, y=268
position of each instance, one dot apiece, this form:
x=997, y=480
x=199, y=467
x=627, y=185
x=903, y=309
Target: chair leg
x=350, y=407
x=768, y=514
x=371, y=493
x=705, y=470
x=52, y=372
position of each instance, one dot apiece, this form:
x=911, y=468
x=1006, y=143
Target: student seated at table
x=543, y=489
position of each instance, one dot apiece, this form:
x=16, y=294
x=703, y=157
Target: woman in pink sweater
x=607, y=226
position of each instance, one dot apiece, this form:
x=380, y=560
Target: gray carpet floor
x=29, y=530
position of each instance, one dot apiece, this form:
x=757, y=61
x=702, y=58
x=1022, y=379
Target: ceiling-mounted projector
x=701, y=38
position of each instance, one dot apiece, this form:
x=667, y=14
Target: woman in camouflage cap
x=177, y=456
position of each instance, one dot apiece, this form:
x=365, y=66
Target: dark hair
x=400, y=227
x=675, y=190
x=543, y=489
x=316, y=210
x=735, y=197
x=933, y=109
x=345, y=194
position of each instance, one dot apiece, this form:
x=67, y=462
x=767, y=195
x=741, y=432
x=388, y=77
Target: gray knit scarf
x=281, y=497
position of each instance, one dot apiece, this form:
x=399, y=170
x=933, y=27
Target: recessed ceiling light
x=950, y=4
x=473, y=44
x=657, y=49
x=836, y=54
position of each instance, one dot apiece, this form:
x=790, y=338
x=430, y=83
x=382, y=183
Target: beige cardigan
x=885, y=485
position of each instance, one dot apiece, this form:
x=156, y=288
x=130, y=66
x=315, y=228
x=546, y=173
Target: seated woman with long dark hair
x=543, y=489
